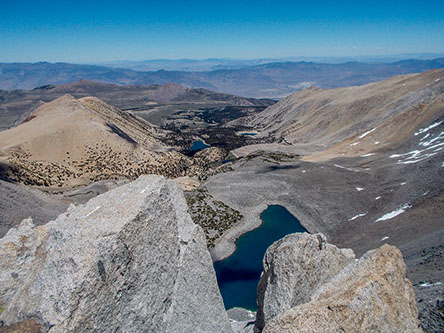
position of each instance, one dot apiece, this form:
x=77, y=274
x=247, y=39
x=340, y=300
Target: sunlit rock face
x=130, y=260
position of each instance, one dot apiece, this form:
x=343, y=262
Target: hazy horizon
x=106, y=31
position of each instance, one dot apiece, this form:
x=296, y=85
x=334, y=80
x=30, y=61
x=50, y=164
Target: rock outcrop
x=294, y=267
x=130, y=260
x=371, y=294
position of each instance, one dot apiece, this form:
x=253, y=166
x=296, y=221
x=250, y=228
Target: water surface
x=238, y=275
x=198, y=145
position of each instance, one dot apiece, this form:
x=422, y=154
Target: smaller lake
x=248, y=134
x=238, y=275
x=198, y=145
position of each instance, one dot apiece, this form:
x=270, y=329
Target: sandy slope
x=70, y=142
x=353, y=121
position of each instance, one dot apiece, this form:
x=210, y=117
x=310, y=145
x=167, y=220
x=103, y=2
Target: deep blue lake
x=248, y=134
x=238, y=275
x=198, y=145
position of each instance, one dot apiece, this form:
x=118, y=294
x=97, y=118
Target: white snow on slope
x=425, y=284
x=343, y=167
x=429, y=145
x=363, y=135
x=426, y=129
x=356, y=216
x=394, y=213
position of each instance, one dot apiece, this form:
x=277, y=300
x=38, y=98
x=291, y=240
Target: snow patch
x=359, y=189
x=394, y=213
x=384, y=238
x=356, y=216
x=304, y=171
x=376, y=142
x=426, y=285
x=378, y=197
x=369, y=154
x=425, y=136
x=436, y=80
x=427, y=149
x=426, y=129
x=403, y=183
x=363, y=135
x=439, y=137
x=354, y=144
x=343, y=167
x=411, y=160
x=425, y=193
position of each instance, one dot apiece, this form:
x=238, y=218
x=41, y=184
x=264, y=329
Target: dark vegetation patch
x=228, y=113
x=213, y=216
x=4, y=171
x=209, y=123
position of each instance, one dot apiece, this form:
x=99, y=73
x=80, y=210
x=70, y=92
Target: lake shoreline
x=226, y=245
x=239, y=274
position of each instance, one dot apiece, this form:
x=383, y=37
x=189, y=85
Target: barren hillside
x=70, y=142
x=356, y=120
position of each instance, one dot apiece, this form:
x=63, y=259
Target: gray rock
x=130, y=260
x=242, y=320
x=18, y=202
x=294, y=268
x=370, y=295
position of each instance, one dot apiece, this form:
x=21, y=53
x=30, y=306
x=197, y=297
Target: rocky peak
x=311, y=286
x=294, y=267
x=129, y=260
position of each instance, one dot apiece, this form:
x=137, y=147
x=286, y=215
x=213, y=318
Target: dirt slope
x=70, y=142
x=356, y=120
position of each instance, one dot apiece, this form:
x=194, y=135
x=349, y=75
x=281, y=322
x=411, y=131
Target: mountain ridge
x=16, y=105
x=272, y=80
x=341, y=122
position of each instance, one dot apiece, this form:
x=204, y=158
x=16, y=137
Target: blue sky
x=95, y=31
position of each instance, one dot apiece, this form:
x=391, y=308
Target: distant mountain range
x=16, y=105
x=272, y=80
x=212, y=64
